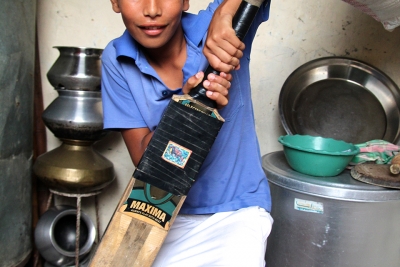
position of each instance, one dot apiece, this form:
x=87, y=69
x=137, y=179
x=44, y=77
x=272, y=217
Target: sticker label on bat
x=148, y=210
x=176, y=154
x=143, y=205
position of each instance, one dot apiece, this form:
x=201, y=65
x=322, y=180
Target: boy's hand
x=217, y=86
x=223, y=49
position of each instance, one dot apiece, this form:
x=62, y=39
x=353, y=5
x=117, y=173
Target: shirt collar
x=126, y=46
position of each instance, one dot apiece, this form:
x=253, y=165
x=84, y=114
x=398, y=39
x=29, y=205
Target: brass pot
x=74, y=167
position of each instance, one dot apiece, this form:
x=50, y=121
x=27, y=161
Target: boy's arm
x=136, y=141
x=223, y=49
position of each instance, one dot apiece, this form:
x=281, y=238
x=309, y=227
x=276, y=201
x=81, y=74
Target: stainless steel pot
x=55, y=235
x=77, y=68
x=76, y=115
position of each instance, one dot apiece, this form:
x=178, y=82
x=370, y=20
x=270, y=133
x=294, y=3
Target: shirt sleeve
x=120, y=110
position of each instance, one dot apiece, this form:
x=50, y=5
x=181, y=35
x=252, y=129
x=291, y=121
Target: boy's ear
x=115, y=6
x=185, y=5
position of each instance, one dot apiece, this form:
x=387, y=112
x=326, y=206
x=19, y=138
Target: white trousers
x=237, y=238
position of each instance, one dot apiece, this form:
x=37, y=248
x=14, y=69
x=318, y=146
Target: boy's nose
x=152, y=8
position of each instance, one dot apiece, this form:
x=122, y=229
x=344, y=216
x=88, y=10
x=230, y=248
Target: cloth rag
x=377, y=151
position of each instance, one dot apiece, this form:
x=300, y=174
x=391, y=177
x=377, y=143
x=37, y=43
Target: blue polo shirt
x=134, y=96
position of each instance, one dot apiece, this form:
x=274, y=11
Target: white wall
x=297, y=32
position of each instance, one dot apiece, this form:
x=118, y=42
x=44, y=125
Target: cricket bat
x=166, y=171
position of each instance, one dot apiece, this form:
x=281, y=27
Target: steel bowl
x=55, y=235
x=340, y=98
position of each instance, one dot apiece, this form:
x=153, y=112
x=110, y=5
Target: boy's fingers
x=225, y=40
x=218, y=65
x=225, y=57
x=218, y=98
x=234, y=61
x=226, y=76
x=192, y=82
x=228, y=51
x=228, y=64
x=220, y=81
x=216, y=88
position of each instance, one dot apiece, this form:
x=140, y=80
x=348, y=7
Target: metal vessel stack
x=75, y=168
x=76, y=118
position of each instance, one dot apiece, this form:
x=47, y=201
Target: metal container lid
x=342, y=187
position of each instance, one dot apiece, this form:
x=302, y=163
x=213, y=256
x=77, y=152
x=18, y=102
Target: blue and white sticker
x=308, y=206
x=176, y=154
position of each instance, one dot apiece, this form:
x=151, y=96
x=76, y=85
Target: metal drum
x=330, y=221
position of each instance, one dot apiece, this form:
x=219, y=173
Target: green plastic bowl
x=317, y=156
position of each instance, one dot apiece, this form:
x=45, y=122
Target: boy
x=224, y=220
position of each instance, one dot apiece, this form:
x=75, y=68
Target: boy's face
x=151, y=22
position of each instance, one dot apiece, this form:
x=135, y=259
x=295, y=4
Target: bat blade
x=138, y=227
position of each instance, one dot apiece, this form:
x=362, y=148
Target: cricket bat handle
x=241, y=23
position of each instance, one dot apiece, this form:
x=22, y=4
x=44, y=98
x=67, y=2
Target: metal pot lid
x=341, y=98
x=342, y=187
